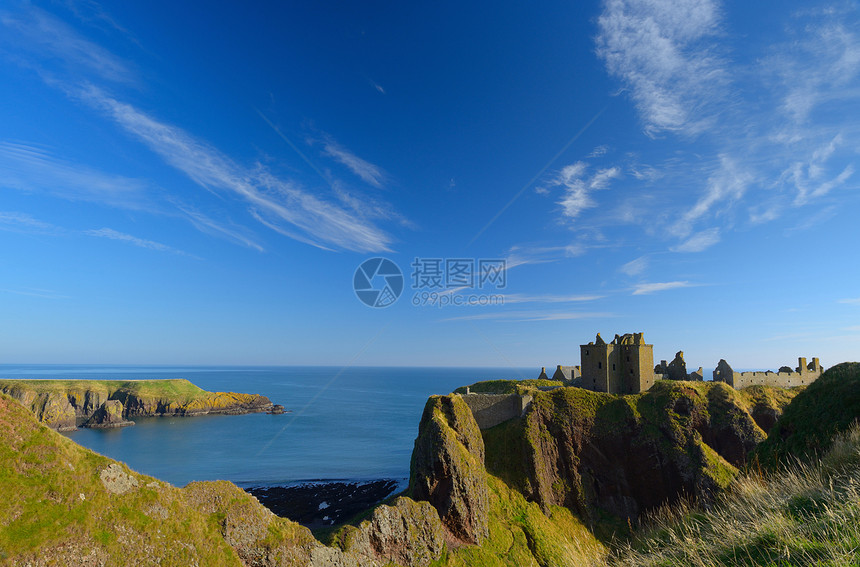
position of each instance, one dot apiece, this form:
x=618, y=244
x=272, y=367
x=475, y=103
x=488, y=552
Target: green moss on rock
x=448, y=469
x=602, y=455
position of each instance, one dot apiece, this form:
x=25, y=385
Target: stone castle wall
x=803, y=375
x=492, y=409
x=780, y=379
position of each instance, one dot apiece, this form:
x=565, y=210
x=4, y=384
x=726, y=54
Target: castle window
x=631, y=371
x=628, y=359
x=599, y=365
x=586, y=352
x=613, y=367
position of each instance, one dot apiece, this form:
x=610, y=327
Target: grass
x=805, y=514
x=825, y=408
x=172, y=389
x=508, y=386
x=522, y=535
x=54, y=502
x=55, y=509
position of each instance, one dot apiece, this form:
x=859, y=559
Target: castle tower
x=624, y=366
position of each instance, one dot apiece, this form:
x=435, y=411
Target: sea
x=344, y=424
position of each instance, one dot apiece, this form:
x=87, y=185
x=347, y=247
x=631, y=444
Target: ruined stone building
x=677, y=370
x=624, y=366
x=803, y=375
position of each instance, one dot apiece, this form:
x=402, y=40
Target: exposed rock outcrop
x=448, y=468
x=109, y=415
x=259, y=537
x=405, y=533
x=116, y=480
x=67, y=404
x=54, y=411
x=624, y=455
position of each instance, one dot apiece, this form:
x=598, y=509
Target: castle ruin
x=623, y=366
x=626, y=366
x=803, y=375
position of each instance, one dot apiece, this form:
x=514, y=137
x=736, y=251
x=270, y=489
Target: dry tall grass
x=807, y=514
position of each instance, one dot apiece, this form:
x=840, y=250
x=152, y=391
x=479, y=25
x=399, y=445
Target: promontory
x=65, y=405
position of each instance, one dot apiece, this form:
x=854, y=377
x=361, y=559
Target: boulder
x=407, y=533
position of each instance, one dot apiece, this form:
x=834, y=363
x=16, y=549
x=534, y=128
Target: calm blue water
x=354, y=423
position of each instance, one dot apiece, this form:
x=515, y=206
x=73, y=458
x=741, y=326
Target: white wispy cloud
x=854, y=301
x=599, y=151
x=112, y=234
x=92, y=13
x=828, y=37
x=725, y=186
x=376, y=86
x=29, y=167
x=25, y=223
x=36, y=36
x=14, y=221
x=776, y=138
x=277, y=201
x=530, y=316
x=699, y=241
x=578, y=186
x=524, y=255
x=207, y=225
x=370, y=173
x=635, y=267
x=646, y=288
x=662, y=51
x=36, y=31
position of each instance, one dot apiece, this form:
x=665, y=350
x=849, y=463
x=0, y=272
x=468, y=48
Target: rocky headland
x=567, y=482
x=65, y=405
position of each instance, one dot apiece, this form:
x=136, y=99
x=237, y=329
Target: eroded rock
x=407, y=533
x=108, y=415
x=448, y=468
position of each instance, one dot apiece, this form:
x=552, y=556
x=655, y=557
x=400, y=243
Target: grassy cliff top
x=173, y=389
x=62, y=504
x=58, y=497
x=827, y=407
x=508, y=386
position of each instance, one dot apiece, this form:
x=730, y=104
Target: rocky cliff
x=67, y=404
x=602, y=455
x=61, y=504
x=448, y=468
x=531, y=491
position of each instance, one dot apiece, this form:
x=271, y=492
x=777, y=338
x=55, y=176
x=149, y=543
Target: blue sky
x=196, y=183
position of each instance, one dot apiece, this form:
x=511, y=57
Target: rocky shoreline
x=65, y=405
x=322, y=504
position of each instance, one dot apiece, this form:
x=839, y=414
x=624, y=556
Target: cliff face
x=65, y=404
x=61, y=504
x=448, y=468
x=594, y=453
